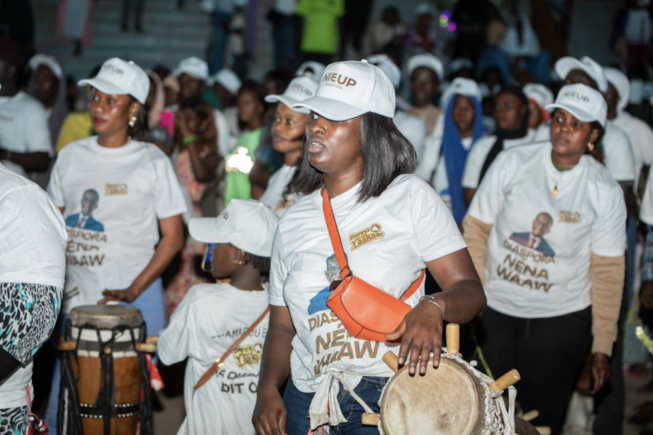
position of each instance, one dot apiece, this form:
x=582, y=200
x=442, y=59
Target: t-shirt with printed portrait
x=387, y=240
x=113, y=199
x=539, y=249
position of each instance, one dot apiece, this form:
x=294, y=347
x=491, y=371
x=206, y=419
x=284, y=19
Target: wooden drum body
x=105, y=382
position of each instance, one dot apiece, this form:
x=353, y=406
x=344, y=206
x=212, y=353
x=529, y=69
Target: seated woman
x=356, y=157
x=546, y=231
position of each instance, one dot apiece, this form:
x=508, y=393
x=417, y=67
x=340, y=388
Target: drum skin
x=445, y=401
x=127, y=378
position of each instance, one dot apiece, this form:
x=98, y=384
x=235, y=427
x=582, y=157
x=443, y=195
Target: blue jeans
x=297, y=403
x=152, y=306
x=221, y=22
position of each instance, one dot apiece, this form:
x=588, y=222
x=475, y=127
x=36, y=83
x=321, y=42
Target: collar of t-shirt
x=342, y=201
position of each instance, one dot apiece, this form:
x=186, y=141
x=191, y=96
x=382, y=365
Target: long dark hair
x=386, y=155
x=141, y=129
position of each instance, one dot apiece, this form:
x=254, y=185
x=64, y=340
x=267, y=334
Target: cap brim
x=328, y=108
x=580, y=115
x=103, y=86
x=205, y=230
x=566, y=64
x=290, y=102
x=179, y=72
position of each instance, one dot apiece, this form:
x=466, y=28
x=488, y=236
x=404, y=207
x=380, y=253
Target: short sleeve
x=174, y=341
x=278, y=271
x=473, y=166
x=55, y=189
x=489, y=197
x=436, y=232
x=38, y=134
x=169, y=200
x=619, y=156
x=608, y=237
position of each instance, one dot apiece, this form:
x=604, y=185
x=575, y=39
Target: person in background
x=425, y=72
x=538, y=96
x=73, y=22
x=126, y=8
x=226, y=85
x=199, y=171
x=353, y=25
x=288, y=135
x=388, y=32
x=511, y=115
x=412, y=127
x=160, y=121
x=311, y=69
x=320, y=38
x=140, y=204
x=285, y=31
x=25, y=143
x=202, y=329
x=420, y=39
x=193, y=76
x=171, y=90
x=31, y=288
x=551, y=300
x=239, y=163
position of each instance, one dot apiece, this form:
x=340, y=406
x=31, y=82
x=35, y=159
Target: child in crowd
x=212, y=317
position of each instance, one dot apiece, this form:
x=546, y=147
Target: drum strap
x=220, y=361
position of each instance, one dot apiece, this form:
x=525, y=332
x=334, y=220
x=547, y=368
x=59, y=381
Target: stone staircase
x=169, y=35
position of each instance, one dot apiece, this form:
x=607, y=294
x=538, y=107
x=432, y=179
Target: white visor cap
x=567, y=64
x=585, y=103
x=119, y=77
x=298, y=90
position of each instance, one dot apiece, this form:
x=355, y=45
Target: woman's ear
x=133, y=108
x=594, y=135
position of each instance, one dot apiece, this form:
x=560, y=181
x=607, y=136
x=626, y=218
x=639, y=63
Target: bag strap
x=220, y=361
x=345, y=271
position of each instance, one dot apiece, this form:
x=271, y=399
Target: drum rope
x=69, y=406
x=325, y=407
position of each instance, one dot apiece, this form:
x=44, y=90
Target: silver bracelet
x=431, y=299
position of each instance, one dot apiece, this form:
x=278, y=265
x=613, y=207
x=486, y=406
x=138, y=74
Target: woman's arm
x=270, y=412
x=169, y=245
x=477, y=233
x=204, y=161
x=462, y=300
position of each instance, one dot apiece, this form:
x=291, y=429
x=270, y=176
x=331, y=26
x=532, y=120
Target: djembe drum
x=105, y=383
x=454, y=399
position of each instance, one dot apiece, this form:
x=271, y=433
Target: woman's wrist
x=188, y=139
x=438, y=303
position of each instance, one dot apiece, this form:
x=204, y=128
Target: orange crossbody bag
x=367, y=312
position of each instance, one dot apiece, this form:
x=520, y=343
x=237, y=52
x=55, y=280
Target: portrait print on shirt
x=535, y=239
x=332, y=274
x=84, y=219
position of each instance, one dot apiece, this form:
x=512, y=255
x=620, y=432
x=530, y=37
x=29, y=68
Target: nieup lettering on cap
x=338, y=79
x=298, y=87
x=113, y=69
x=573, y=95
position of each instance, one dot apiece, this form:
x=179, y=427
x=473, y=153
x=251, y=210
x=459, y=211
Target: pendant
x=555, y=190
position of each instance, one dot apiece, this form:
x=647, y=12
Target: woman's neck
x=247, y=278
x=340, y=183
x=293, y=157
x=564, y=164
x=114, y=140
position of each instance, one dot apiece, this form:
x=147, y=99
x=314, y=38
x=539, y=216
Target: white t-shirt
x=535, y=274
x=226, y=141
x=407, y=218
x=109, y=247
x=618, y=153
x=210, y=318
x=480, y=150
x=413, y=128
x=640, y=136
x=646, y=210
x=23, y=127
x=273, y=196
x=440, y=182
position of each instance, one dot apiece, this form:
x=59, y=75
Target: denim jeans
x=220, y=36
x=297, y=403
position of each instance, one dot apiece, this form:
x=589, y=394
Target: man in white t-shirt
x=25, y=143
x=193, y=75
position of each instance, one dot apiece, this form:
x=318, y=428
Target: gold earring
x=132, y=121
x=590, y=146
x=239, y=262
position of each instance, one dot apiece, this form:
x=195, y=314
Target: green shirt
x=321, y=32
x=238, y=165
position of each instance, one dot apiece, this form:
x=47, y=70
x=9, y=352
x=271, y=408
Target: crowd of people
x=201, y=197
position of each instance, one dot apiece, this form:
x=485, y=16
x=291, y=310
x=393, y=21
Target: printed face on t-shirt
x=542, y=225
x=89, y=202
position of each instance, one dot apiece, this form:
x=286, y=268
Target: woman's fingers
x=397, y=333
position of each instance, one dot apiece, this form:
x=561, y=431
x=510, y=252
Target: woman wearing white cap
x=546, y=231
x=538, y=96
x=288, y=134
x=393, y=226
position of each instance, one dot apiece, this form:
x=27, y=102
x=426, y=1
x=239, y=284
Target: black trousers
x=548, y=353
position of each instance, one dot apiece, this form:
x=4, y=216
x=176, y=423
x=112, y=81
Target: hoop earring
x=238, y=259
x=132, y=121
x=590, y=147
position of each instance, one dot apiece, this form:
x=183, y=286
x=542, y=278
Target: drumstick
x=505, y=381
x=391, y=360
x=146, y=347
x=453, y=338
x=531, y=415
x=153, y=339
x=370, y=419
x=543, y=430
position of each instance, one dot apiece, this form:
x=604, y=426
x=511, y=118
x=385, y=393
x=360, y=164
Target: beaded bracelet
x=189, y=139
x=431, y=299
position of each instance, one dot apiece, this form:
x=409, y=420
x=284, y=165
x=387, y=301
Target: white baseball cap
x=350, y=89
x=247, y=224
x=425, y=60
x=49, y=61
x=585, y=103
x=621, y=83
x=298, y=90
x=119, y=77
x=229, y=80
x=311, y=69
x=566, y=64
x=388, y=67
x=194, y=67
x=461, y=86
x=539, y=93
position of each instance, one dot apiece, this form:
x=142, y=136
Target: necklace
x=561, y=168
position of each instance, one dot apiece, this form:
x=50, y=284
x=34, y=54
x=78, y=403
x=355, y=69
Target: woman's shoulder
x=599, y=175
x=521, y=154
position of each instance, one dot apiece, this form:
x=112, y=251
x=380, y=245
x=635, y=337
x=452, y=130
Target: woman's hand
x=127, y=295
x=270, y=412
x=420, y=333
x=600, y=370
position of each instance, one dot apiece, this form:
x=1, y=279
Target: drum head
x=106, y=316
x=445, y=401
